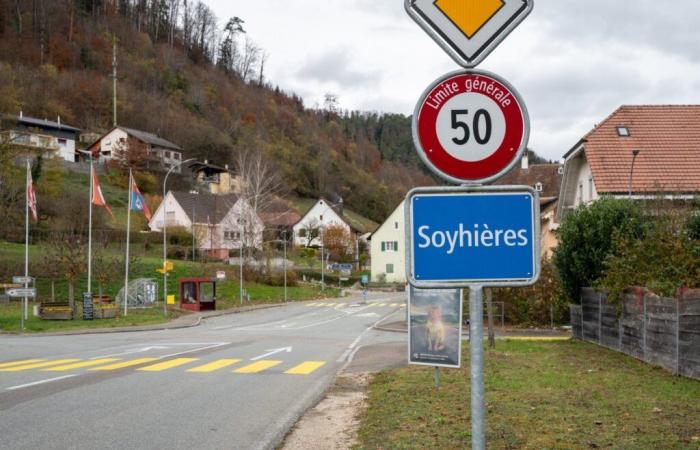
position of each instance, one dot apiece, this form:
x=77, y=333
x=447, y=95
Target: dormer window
x=623, y=131
x=538, y=187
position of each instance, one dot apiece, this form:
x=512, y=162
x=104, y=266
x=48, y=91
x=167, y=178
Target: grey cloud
x=667, y=25
x=334, y=67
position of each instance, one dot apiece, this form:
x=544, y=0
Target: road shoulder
x=333, y=423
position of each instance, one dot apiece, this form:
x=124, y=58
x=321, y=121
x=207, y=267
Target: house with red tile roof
x=639, y=152
x=545, y=179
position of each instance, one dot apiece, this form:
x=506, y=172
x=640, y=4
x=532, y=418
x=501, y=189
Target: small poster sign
x=435, y=331
x=87, y=306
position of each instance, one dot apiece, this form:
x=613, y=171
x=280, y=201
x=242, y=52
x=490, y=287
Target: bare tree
x=260, y=185
x=249, y=58
x=132, y=153
x=313, y=231
x=173, y=14
x=67, y=254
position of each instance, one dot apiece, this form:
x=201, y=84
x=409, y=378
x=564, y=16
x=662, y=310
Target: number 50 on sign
x=470, y=127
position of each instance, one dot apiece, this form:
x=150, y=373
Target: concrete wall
x=660, y=331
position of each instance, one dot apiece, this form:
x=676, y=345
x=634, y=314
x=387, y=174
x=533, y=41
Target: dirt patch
x=333, y=423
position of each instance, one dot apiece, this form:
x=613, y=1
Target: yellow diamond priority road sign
x=468, y=30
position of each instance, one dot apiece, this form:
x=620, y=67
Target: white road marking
x=219, y=344
x=351, y=350
x=129, y=352
x=21, y=386
x=272, y=352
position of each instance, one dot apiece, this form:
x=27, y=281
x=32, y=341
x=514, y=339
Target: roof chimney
x=21, y=114
x=59, y=121
x=525, y=161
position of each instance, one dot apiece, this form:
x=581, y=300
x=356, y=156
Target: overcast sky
x=573, y=61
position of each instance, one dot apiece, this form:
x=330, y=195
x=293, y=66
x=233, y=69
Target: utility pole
x=114, y=80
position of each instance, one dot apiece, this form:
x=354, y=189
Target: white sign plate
x=22, y=280
x=468, y=30
x=31, y=292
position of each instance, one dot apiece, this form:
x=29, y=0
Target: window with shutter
x=383, y=246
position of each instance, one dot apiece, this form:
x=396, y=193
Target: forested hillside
x=199, y=81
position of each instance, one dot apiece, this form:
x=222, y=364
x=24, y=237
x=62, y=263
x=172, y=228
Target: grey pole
x=165, y=226
x=240, y=260
x=323, y=261
x=476, y=349
x=128, y=235
x=23, y=313
x=285, y=266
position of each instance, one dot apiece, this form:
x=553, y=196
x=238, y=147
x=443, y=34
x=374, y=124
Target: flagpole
x=92, y=187
x=128, y=232
x=23, y=313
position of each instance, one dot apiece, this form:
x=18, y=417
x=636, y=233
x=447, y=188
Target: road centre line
x=21, y=386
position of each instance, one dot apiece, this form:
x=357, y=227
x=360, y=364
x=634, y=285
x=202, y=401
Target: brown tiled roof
x=205, y=207
x=668, y=138
x=279, y=214
x=547, y=174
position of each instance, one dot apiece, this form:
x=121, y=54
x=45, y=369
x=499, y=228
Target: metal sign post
x=476, y=354
x=470, y=128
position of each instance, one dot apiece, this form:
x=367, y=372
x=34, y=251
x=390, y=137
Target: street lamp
x=635, y=153
x=241, y=239
x=165, y=226
x=284, y=264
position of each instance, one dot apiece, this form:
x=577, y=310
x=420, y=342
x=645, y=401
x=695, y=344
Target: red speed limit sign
x=470, y=127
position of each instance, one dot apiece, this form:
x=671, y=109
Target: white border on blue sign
x=466, y=283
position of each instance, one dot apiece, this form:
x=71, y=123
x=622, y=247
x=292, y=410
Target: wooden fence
x=660, y=331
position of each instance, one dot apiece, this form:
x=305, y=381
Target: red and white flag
x=97, y=197
x=31, y=195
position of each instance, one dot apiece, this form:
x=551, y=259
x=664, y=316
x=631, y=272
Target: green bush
x=586, y=239
x=539, y=305
x=179, y=236
x=693, y=226
x=667, y=259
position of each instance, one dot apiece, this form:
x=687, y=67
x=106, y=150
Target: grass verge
x=10, y=320
x=540, y=395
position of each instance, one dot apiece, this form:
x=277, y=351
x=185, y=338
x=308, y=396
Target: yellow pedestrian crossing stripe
x=258, y=366
x=21, y=362
x=168, y=364
x=38, y=365
x=216, y=365
x=122, y=365
x=305, y=368
x=80, y=365
x=155, y=364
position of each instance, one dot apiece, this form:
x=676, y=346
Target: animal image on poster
x=435, y=327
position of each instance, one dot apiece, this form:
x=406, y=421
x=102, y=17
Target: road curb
x=196, y=321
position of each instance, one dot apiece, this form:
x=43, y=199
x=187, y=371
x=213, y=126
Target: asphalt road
x=234, y=382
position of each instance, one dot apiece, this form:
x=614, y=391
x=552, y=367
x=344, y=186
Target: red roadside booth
x=198, y=294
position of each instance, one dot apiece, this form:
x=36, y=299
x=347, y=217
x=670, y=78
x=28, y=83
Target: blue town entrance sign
x=488, y=236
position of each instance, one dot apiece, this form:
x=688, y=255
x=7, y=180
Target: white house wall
x=179, y=219
x=67, y=149
x=586, y=191
x=390, y=264
x=111, y=142
x=231, y=223
x=325, y=216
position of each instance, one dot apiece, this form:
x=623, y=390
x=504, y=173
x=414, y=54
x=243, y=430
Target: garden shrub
x=586, y=239
x=665, y=260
